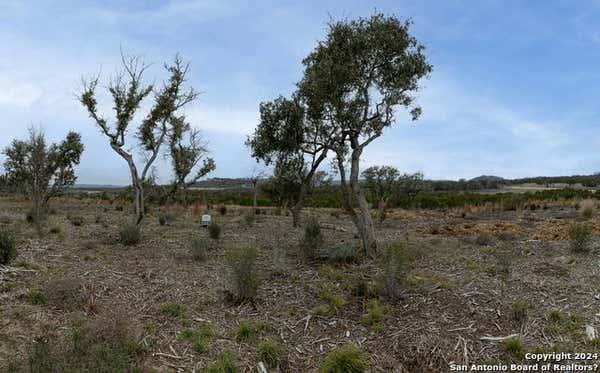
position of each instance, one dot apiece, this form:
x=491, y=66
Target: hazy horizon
x=512, y=94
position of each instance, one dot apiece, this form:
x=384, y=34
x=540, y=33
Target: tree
x=42, y=171
x=284, y=132
x=381, y=181
x=187, y=150
x=356, y=80
x=412, y=184
x=128, y=91
x=284, y=186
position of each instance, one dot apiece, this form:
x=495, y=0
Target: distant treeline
x=330, y=197
x=493, y=182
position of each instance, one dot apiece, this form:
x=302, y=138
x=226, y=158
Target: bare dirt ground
x=472, y=269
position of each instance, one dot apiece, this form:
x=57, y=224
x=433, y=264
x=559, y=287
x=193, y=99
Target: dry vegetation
x=180, y=300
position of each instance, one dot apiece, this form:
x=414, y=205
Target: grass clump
x=513, y=346
x=580, y=236
x=56, y=229
x=214, y=230
x=129, y=234
x=327, y=293
x=587, y=208
x=8, y=247
x=313, y=241
x=554, y=315
x=200, y=337
x=241, y=261
x=245, y=331
x=226, y=363
x=345, y=359
x=375, y=314
x=268, y=353
x=394, y=263
x=77, y=221
x=519, y=313
x=175, y=310
x=199, y=248
x=36, y=297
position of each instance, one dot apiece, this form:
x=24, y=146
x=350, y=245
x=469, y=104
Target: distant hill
x=487, y=178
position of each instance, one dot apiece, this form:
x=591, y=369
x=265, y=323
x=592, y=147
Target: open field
x=473, y=274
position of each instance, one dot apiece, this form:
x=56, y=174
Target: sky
x=514, y=92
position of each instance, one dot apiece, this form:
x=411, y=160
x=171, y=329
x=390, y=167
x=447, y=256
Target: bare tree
x=187, y=149
x=128, y=91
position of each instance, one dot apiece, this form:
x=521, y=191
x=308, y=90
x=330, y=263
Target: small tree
x=381, y=181
x=412, y=185
x=287, y=132
x=42, y=171
x=355, y=80
x=128, y=91
x=284, y=186
x=187, y=150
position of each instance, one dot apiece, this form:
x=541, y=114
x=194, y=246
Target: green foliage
x=241, y=262
x=40, y=171
x=513, y=346
x=345, y=359
x=226, y=363
x=36, y=297
x=174, y=310
x=214, y=230
x=269, y=353
x=375, y=314
x=580, y=236
x=129, y=234
x=8, y=247
x=554, y=315
x=245, y=331
x=328, y=294
x=313, y=241
x=200, y=337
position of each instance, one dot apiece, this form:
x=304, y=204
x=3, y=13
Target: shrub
x=175, y=310
x=519, y=313
x=587, y=208
x=56, y=229
x=580, y=235
x=223, y=210
x=394, y=263
x=226, y=363
x=36, y=297
x=129, y=234
x=241, y=261
x=483, y=240
x=199, y=248
x=76, y=220
x=8, y=247
x=214, y=230
x=268, y=353
x=346, y=359
x=245, y=331
x=342, y=253
x=513, y=346
x=313, y=240
x=162, y=220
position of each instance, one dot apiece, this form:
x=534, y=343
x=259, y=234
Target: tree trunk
x=381, y=206
x=365, y=223
x=346, y=197
x=304, y=189
x=299, y=205
x=136, y=183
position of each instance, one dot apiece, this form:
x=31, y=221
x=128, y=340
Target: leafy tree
x=355, y=81
x=381, y=181
x=128, y=91
x=187, y=150
x=41, y=171
x=284, y=186
x=412, y=184
x=285, y=132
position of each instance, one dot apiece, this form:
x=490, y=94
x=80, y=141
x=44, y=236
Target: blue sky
x=514, y=91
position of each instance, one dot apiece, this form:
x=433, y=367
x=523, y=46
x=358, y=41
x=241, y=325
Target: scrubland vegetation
x=382, y=271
